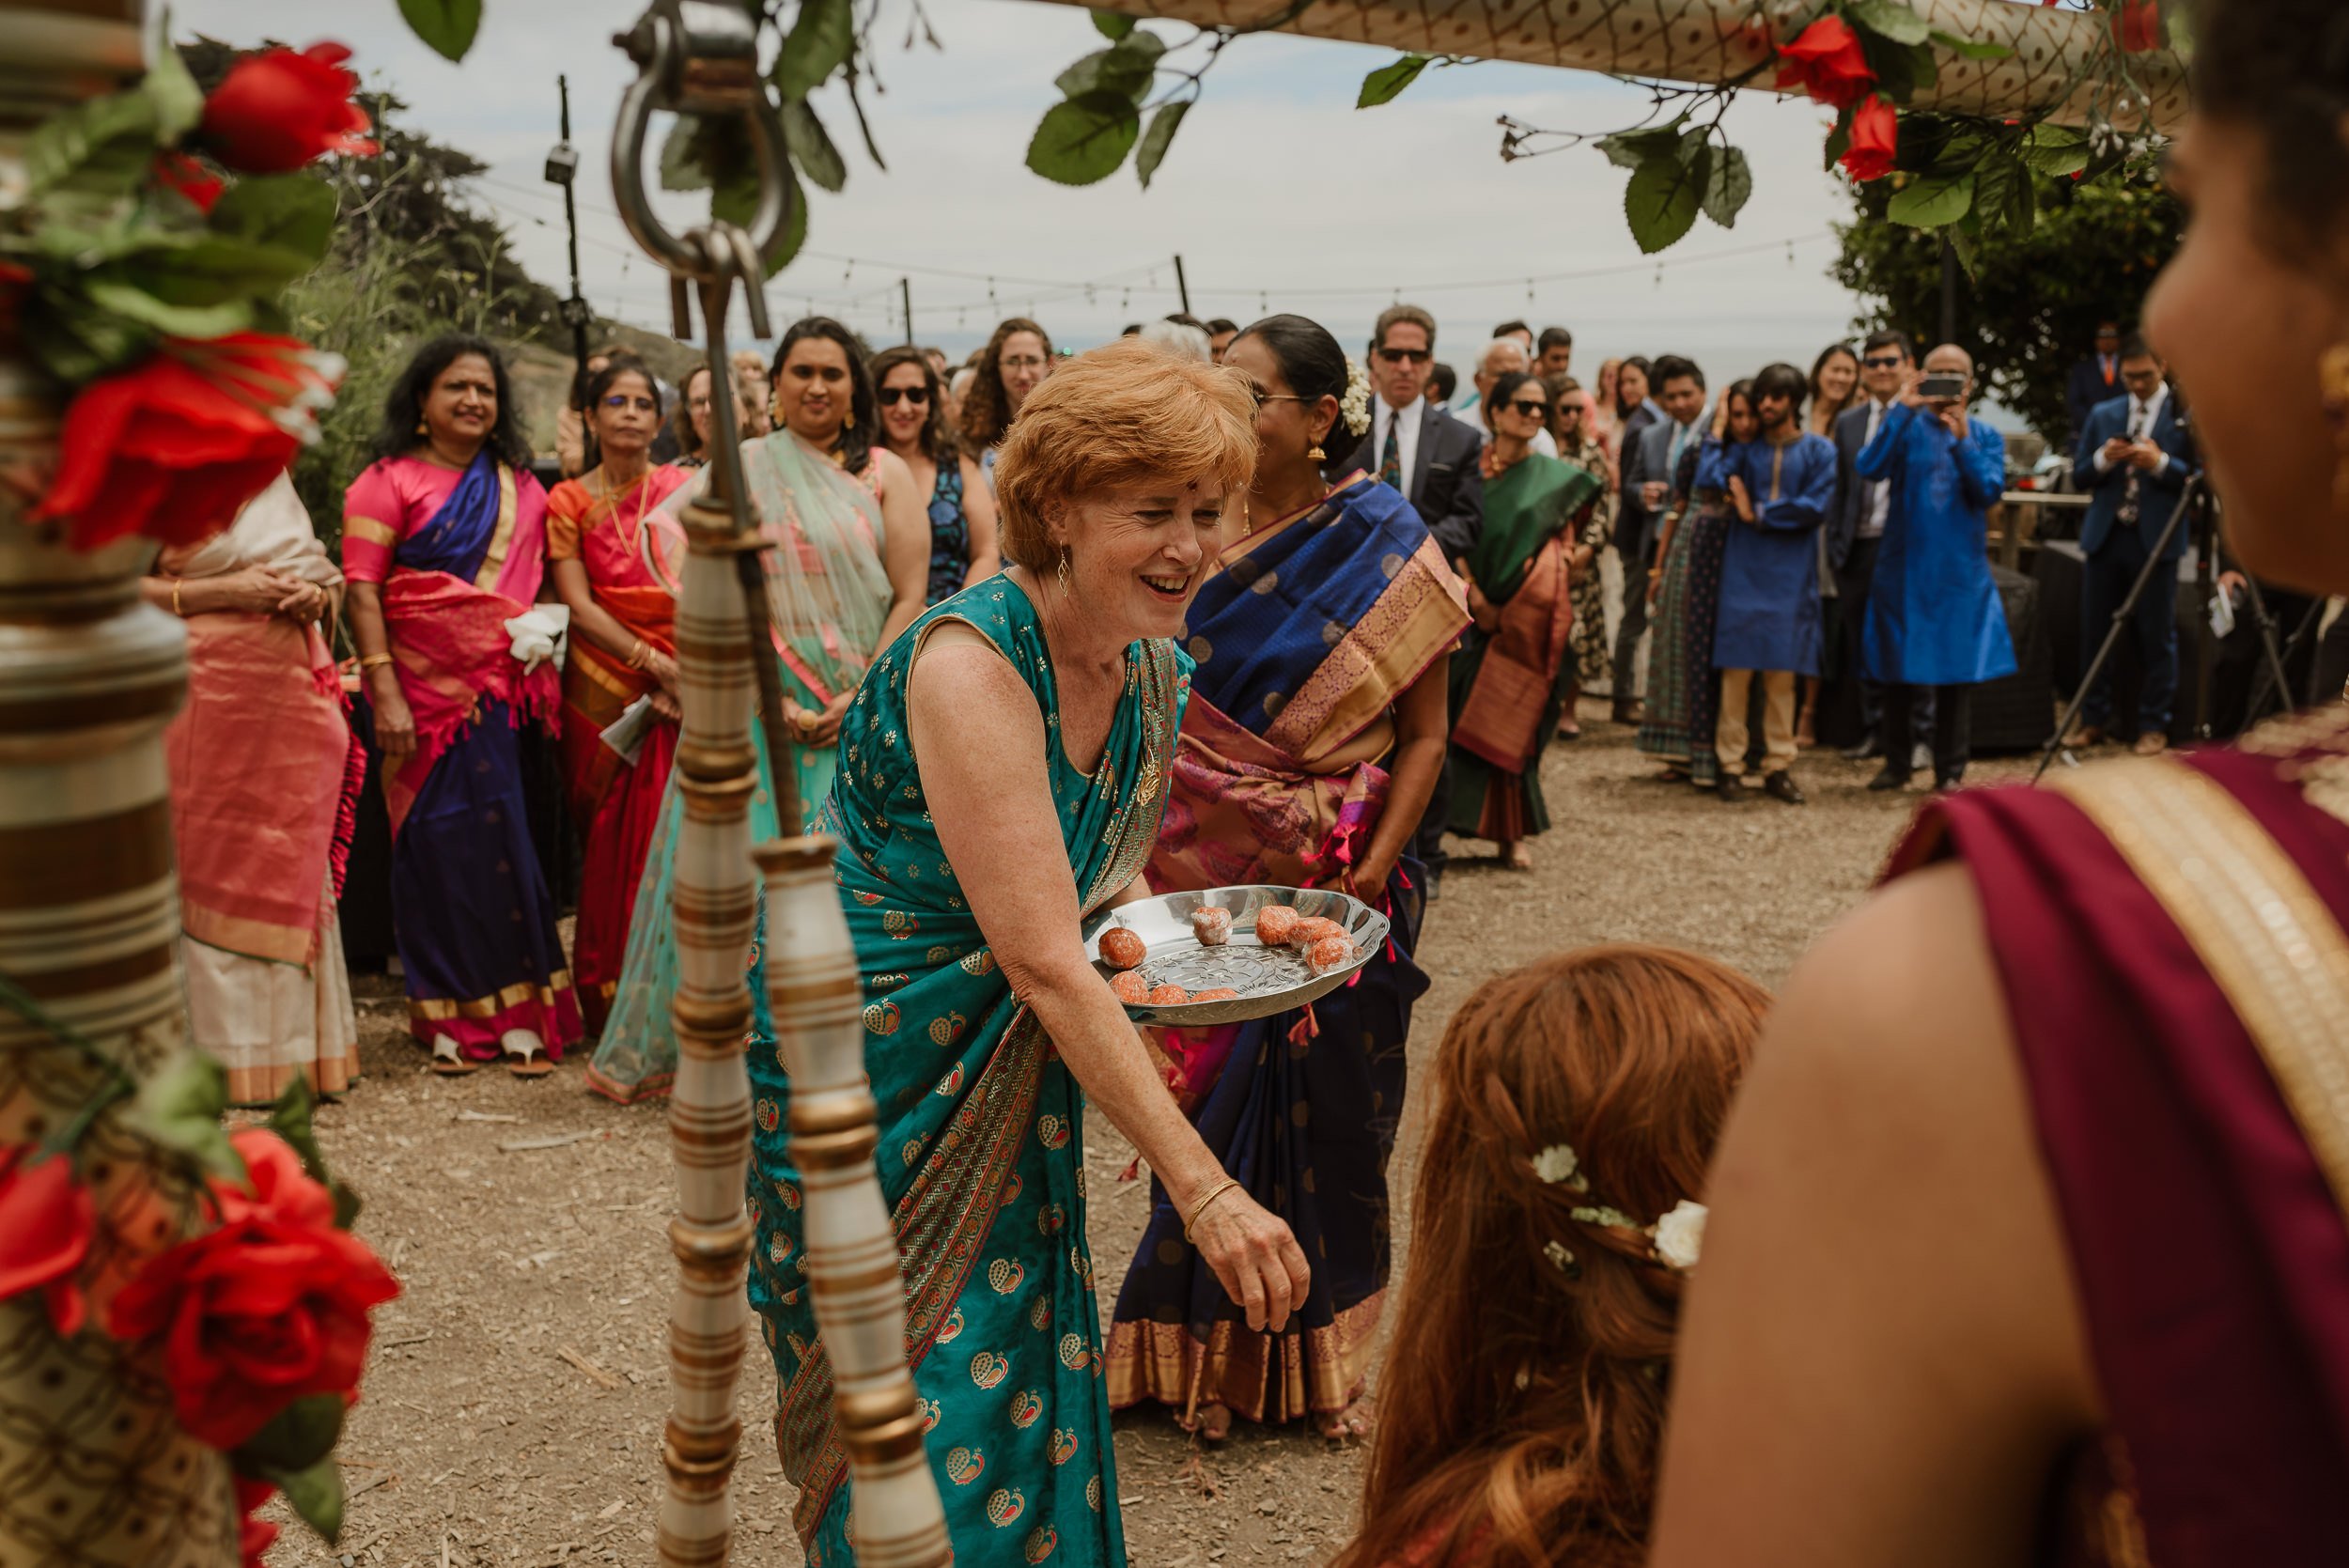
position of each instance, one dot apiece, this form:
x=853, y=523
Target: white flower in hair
x=1355, y=407
x=1680, y=1235
x=1558, y=1163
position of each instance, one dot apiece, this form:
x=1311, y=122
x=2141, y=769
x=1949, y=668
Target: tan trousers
x=1778, y=721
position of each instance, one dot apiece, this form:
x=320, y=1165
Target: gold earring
x=2332, y=371
x=421, y=428
x=1066, y=591
x=1315, y=454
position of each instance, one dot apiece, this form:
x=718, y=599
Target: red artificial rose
x=278, y=110
x=270, y=1308
x=177, y=171
x=255, y=1535
x=2137, y=25
x=46, y=1222
x=1875, y=137
x=1827, y=62
x=174, y=446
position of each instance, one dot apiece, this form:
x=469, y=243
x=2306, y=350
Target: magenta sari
x=2170, y=932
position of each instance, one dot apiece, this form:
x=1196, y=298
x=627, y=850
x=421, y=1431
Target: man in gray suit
x=1651, y=466
x=1855, y=531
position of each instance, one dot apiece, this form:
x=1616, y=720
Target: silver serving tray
x=1269, y=980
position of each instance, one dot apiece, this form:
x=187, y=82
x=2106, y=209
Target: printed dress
x=982, y=1147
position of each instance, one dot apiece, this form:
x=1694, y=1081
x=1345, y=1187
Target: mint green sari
x=982, y=1146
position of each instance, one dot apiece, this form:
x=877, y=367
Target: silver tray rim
x=1365, y=925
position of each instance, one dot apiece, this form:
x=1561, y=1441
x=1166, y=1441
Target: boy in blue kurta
x=1779, y=488
x=1934, y=615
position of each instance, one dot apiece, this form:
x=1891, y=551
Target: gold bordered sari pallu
x=982, y=1149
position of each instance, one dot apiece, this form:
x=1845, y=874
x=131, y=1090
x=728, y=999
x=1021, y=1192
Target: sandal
x=447, y=1060
x=526, y=1054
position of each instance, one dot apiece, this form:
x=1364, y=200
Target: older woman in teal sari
x=1510, y=682
x=1003, y=772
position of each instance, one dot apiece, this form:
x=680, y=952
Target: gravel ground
x=514, y=1410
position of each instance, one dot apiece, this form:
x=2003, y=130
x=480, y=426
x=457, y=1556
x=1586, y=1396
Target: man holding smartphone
x=1934, y=617
x=2134, y=458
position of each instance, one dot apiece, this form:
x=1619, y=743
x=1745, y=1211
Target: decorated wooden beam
x=2050, y=66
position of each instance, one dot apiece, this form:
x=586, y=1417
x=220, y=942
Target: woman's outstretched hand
x=1262, y=1267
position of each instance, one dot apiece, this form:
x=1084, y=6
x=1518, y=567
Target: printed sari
x=828, y=596
x=616, y=802
x=458, y=555
x=1509, y=685
x=982, y=1146
x=1683, y=692
x=265, y=775
x=1305, y=634
x=2168, y=934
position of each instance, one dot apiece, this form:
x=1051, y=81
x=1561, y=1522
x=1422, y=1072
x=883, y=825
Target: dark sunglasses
x=1406, y=356
x=1527, y=404
x=1882, y=362
x=889, y=395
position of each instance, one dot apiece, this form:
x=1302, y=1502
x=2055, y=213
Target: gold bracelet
x=1217, y=1190
x=174, y=598
x=636, y=655
x=373, y=661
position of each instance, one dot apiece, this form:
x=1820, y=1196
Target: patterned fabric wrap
x=982, y=1152
x=1593, y=655
x=1683, y=693
x=1300, y=1107
x=950, y=533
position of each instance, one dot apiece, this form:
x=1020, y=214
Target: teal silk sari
x=982, y=1146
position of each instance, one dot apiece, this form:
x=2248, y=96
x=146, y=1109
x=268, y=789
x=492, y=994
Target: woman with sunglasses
x=1510, y=680
x=961, y=508
x=602, y=548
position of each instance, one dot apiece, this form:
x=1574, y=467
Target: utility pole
x=904, y=297
x=1182, y=285
x=562, y=169
x=1949, y=290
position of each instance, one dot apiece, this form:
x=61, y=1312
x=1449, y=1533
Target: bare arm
x=978, y=513
x=904, y=546
x=395, y=727
x=1422, y=725
x=979, y=741
x=250, y=590
x=1881, y=1359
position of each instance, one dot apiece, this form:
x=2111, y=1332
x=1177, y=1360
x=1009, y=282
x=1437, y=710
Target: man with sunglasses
x=1431, y=457
x=1855, y=535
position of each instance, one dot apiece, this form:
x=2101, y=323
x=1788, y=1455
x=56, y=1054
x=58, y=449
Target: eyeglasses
x=1025, y=362
x=1529, y=406
x=1262, y=396
x=1406, y=356
x=1882, y=362
x=914, y=394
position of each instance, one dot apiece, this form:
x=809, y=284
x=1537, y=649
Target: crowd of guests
x=1217, y=606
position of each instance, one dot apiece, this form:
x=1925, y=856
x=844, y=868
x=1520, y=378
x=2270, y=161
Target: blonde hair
x=1118, y=414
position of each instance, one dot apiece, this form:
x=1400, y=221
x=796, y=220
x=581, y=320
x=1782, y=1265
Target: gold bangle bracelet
x=1217, y=1190
x=174, y=598
x=373, y=661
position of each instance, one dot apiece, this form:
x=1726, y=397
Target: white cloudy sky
x=1278, y=193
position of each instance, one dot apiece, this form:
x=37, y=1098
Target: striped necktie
x=1390, y=455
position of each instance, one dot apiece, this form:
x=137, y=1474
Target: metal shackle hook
x=698, y=57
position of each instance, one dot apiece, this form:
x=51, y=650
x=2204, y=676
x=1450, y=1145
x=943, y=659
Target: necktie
x=2128, y=487
x=1390, y=455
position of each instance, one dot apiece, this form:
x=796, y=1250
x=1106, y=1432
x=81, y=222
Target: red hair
x=1524, y=1428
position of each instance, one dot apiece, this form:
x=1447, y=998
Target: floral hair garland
x=1354, y=407
x=1672, y=1242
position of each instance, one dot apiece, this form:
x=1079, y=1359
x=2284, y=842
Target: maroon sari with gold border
x=2168, y=934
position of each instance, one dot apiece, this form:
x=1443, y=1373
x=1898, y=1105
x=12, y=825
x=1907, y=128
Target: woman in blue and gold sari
x=1311, y=743
x=1023, y=727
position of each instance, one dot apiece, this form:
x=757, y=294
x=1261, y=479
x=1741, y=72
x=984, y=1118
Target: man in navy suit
x=2134, y=458
x=2094, y=379
x=1432, y=458
x=1855, y=532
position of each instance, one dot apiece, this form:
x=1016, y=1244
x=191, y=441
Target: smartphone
x=1942, y=386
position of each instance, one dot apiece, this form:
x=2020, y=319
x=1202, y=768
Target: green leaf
x=1839, y=139
x=76, y=342
x=1129, y=67
x=1902, y=69
x=181, y=1106
x=1156, y=139
x=1660, y=204
x=811, y=146
x=1383, y=84
x=1628, y=149
x=2056, y=149
x=1112, y=24
x=735, y=200
x=2003, y=192
x=104, y=146
x=448, y=26
x=178, y=101
x=1728, y=186
x=211, y=271
x=681, y=168
x=1888, y=19
x=316, y=1492
x=290, y=1119
x=819, y=43
x=1969, y=48
x=1085, y=138
x=288, y=211
x=296, y=1437
x=173, y=320
x=1931, y=201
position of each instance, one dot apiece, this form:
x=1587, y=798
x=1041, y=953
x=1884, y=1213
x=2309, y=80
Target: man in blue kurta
x=1933, y=616
x=1779, y=488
